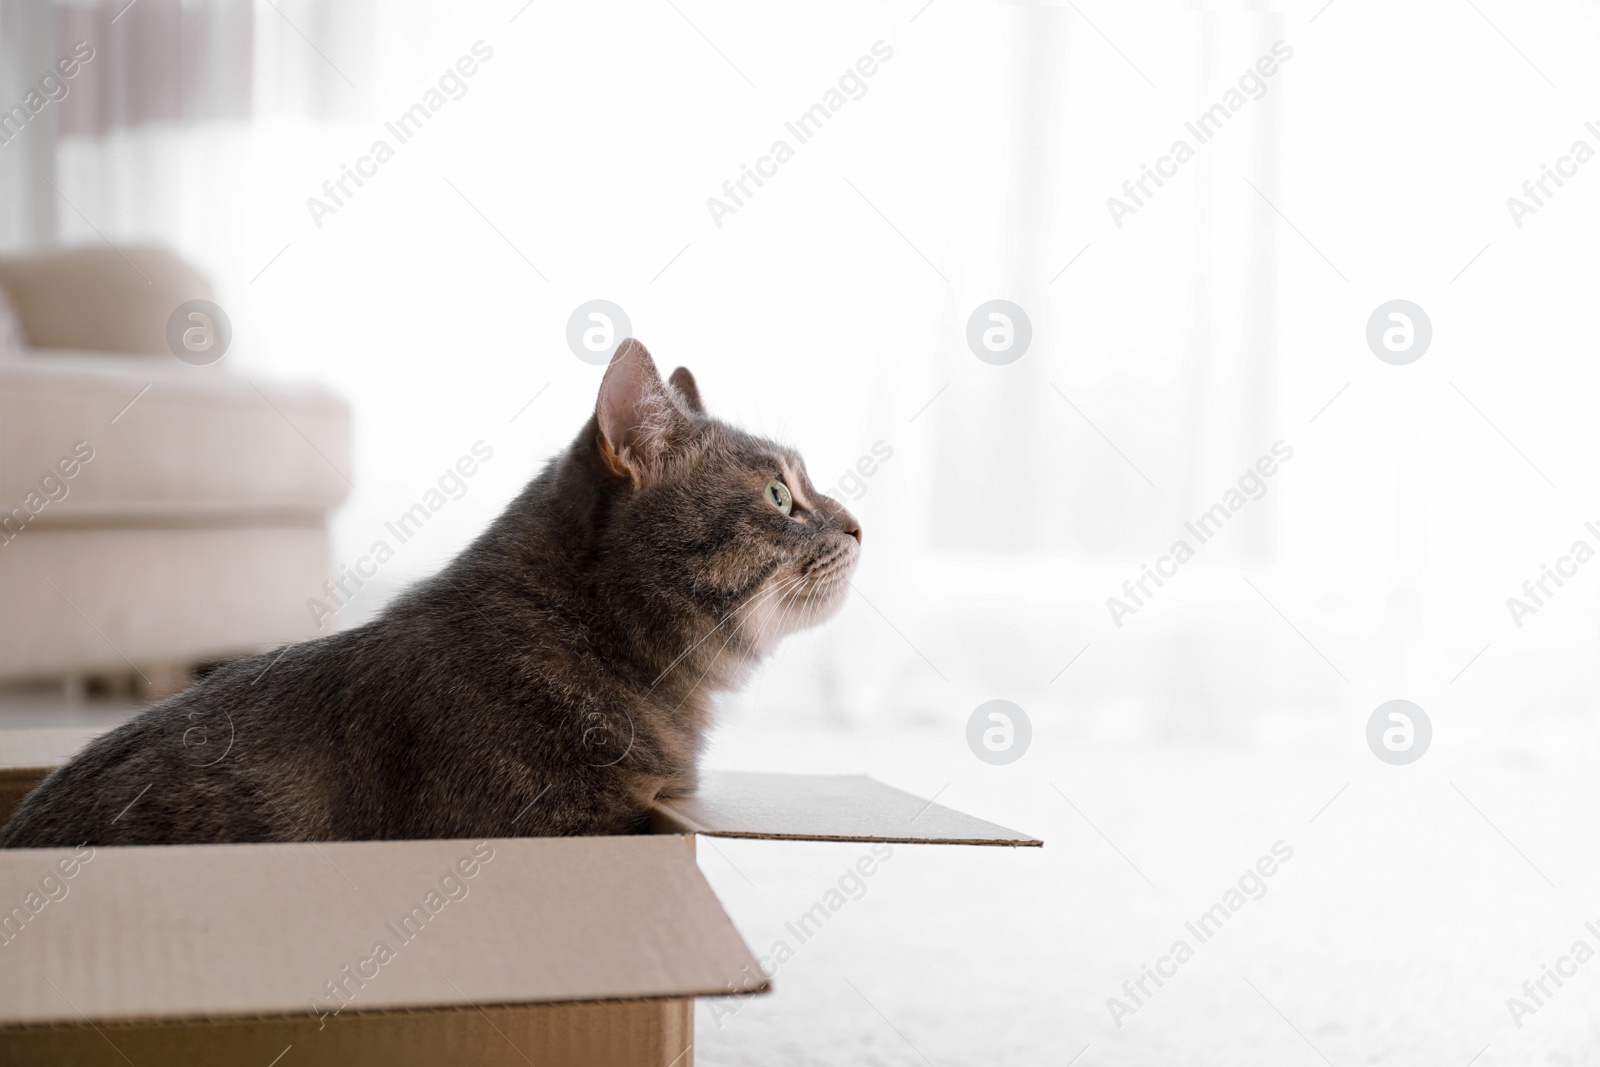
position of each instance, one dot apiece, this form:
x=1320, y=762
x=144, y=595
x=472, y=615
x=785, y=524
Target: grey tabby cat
x=555, y=678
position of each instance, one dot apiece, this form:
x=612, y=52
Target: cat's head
x=713, y=526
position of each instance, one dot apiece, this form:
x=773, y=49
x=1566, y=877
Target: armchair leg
x=75, y=689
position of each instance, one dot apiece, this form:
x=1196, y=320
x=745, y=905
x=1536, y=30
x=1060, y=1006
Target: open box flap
x=227, y=931
x=821, y=808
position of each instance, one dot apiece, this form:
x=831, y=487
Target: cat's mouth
x=826, y=581
x=802, y=597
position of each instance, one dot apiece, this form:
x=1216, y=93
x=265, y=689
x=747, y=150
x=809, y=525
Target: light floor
x=1414, y=905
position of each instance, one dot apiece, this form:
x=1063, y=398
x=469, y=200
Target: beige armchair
x=154, y=515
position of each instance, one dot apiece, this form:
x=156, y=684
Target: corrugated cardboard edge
x=656, y=1031
x=165, y=1022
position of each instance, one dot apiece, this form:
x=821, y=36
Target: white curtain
x=831, y=309
x=28, y=51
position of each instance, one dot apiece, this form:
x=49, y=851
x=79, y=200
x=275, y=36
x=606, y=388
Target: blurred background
x=387, y=308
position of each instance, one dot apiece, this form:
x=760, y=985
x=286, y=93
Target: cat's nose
x=845, y=522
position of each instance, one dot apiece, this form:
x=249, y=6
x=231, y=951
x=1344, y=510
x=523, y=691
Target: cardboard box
x=560, y=952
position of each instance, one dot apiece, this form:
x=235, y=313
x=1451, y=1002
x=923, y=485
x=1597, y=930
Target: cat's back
x=196, y=768
x=115, y=791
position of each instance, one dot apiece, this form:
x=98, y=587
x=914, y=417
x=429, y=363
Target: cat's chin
x=805, y=598
x=816, y=602
x=824, y=602
x=823, y=598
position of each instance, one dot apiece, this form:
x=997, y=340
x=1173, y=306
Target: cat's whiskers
x=758, y=637
x=788, y=586
x=805, y=600
x=759, y=595
x=797, y=597
x=782, y=620
x=781, y=590
x=780, y=609
x=826, y=580
x=759, y=640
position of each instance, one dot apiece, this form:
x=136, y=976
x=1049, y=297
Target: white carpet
x=1394, y=935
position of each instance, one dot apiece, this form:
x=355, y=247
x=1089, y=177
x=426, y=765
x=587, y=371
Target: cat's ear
x=637, y=414
x=683, y=382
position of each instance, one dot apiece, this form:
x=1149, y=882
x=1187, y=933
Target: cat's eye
x=778, y=496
